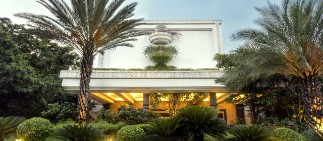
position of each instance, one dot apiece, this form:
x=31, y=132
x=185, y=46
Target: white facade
x=197, y=44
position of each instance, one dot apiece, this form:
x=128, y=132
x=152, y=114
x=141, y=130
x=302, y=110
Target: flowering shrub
x=131, y=133
x=35, y=129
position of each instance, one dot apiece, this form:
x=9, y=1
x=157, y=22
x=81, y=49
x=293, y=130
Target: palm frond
x=8, y=125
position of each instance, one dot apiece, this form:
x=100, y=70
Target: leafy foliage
x=160, y=55
x=36, y=63
x=35, y=129
x=61, y=124
x=313, y=135
x=224, y=60
x=130, y=133
x=130, y=115
x=293, y=124
x=8, y=126
x=163, y=129
x=174, y=100
x=197, y=120
x=60, y=112
x=106, y=127
x=106, y=115
x=287, y=134
x=250, y=133
x=78, y=133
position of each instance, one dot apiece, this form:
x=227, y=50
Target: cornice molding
x=99, y=74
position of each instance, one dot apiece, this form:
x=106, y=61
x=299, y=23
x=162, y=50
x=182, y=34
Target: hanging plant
x=160, y=55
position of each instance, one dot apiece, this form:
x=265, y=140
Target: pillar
x=145, y=103
x=106, y=106
x=240, y=114
x=213, y=99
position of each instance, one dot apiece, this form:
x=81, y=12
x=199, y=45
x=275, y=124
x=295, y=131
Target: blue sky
x=235, y=14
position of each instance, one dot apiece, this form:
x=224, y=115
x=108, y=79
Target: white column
x=145, y=103
x=212, y=99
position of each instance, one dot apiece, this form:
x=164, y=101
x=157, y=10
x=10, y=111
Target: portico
x=116, y=88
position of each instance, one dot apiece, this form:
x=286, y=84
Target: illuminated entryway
x=116, y=88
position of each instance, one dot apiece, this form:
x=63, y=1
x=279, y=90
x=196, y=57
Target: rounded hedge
x=287, y=134
x=131, y=133
x=35, y=129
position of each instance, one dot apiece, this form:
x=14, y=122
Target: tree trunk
x=86, y=70
x=313, y=101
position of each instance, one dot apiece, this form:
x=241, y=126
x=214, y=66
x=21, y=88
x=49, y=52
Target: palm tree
x=8, y=126
x=91, y=27
x=289, y=42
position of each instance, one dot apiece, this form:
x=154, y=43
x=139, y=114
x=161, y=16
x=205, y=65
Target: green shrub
x=145, y=127
x=8, y=126
x=130, y=133
x=78, y=133
x=61, y=124
x=60, y=112
x=132, y=116
x=107, y=115
x=287, y=134
x=273, y=123
x=106, y=127
x=35, y=129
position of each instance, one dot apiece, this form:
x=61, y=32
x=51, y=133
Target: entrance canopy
x=129, y=86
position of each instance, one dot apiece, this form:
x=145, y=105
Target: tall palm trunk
x=86, y=71
x=313, y=101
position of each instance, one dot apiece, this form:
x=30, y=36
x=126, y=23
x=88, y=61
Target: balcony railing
x=106, y=74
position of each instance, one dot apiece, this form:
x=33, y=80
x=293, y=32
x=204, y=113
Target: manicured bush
x=287, y=134
x=130, y=133
x=35, y=129
x=78, y=133
x=145, y=127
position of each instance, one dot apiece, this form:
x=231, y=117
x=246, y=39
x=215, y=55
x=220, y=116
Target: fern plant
x=250, y=133
x=8, y=126
x=313, y=135
x=198, y=120
x=78, y=133
x=163, y=129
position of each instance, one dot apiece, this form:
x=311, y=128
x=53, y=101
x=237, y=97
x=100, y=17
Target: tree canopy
x=29, y=69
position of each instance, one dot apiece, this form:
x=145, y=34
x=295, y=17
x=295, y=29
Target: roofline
x=182, y=22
